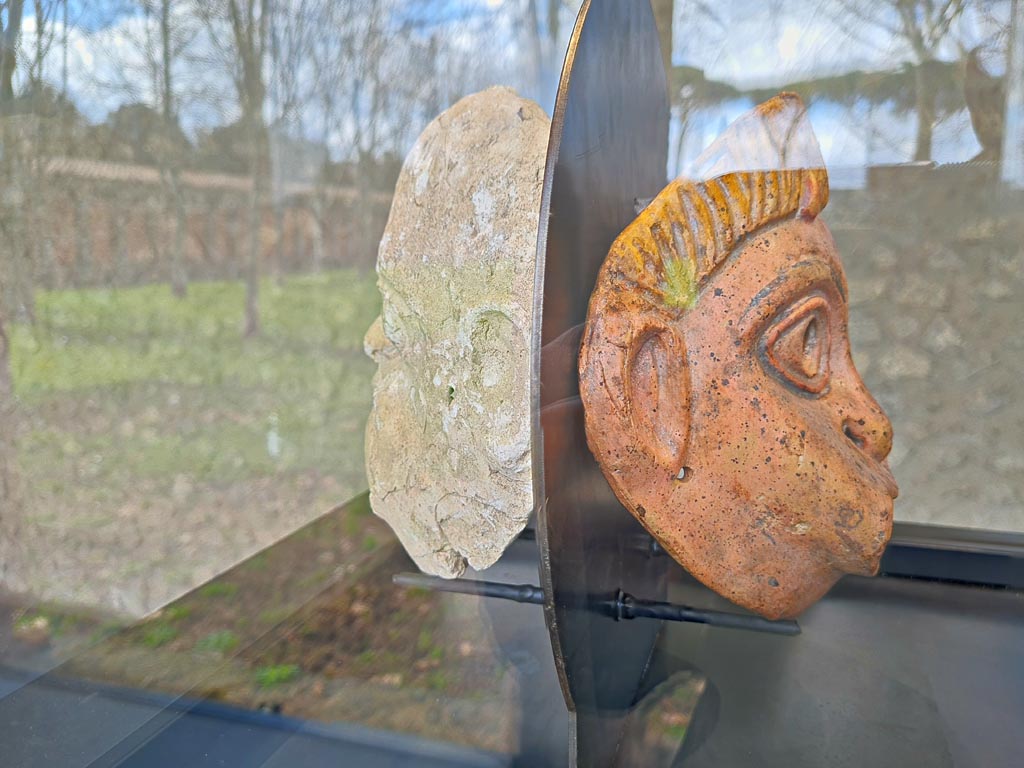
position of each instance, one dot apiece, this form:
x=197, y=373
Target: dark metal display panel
x=888, y=672
x=891, y=671
x=608, y=148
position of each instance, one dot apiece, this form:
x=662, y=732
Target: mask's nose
x=865, y=424
x=871, y=435
x=375, y=343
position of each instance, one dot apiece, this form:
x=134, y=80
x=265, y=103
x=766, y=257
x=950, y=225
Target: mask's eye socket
x=797, y=345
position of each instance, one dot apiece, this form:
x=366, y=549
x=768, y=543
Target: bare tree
x=7, y=421
x=367, y=101
x=46, y=114
x=174, y=38
x=663, y=12
x=1013, y=136
x=540, y=22
x=10, y=240
x=923, y=25
x=239, y=29
x=145, y=70
x=10, y=32
x=373, y=111
x=329, y=68
x=291, y=91
x=11, y=246
x=44, y=12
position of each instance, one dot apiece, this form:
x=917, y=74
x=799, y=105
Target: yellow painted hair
x=690, y=228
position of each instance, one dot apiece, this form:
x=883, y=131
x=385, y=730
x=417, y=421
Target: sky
x=107, y=67
x=756, y=43
x=761, y=43
x=749, y=43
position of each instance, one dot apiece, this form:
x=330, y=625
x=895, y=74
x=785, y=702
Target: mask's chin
x=867, y=567
x=868, y=559
x=882, y=537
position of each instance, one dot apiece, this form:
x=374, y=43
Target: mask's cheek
x=490, y=391
x=854, y=518
x=799, y=478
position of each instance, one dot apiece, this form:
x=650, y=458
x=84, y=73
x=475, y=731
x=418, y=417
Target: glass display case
x=193, y=208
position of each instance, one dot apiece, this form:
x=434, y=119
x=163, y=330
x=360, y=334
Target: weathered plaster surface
x=448, y=440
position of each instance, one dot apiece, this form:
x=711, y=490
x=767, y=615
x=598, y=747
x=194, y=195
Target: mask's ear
x=635, y=386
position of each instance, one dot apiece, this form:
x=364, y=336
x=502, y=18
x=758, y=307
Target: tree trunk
x=252, y=273
x=233, y=232
x=211, y=247
x=1013, y=133
x=9, y=52
x=364, y=213
x=663, y=10
x=536, y=51
x=318, y=210
x=249, y=28
x=83, y=241
x=298, y=249
x=256, y=203
x=7, y=450
x=169, y=157
x=154, y=237
x=118, y=248
x=6, y=380
x=9, y=244
x=179, y=276
x=925, y=112
x=33, y=255
x=280, y=246
x=683, y=114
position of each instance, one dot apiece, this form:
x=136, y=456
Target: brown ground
x=313, y=628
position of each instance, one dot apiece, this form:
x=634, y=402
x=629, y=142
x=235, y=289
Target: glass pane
x=192, y=199
x=918, y=117
x=192, y=196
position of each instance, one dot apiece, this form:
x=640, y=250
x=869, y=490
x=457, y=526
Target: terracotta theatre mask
x=721, y=399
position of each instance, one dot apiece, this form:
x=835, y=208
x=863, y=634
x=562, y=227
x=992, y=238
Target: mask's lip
x=888, y=480
x=876, y=473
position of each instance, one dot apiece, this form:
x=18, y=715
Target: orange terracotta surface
x=721, y=399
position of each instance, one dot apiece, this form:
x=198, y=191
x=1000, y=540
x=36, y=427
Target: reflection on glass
x=191, y=200
x=913, y=112
x=190, y=207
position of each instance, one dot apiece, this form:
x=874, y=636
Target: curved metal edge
x=536, y=431
x=606, y=103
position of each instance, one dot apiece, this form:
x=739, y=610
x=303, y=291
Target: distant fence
x=110, y=223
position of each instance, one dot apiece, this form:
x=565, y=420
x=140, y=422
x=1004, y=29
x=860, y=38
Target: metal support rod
x=624, y=606
x=520, y=593
x=628, y=607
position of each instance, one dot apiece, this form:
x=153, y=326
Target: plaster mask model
x=448, y=440
x=721, y=400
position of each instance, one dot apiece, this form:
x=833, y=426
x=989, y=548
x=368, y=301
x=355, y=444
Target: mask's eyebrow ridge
x=787, y=276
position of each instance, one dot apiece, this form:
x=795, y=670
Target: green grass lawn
x=134, y=384
x=107, y=337
x=132, y=399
